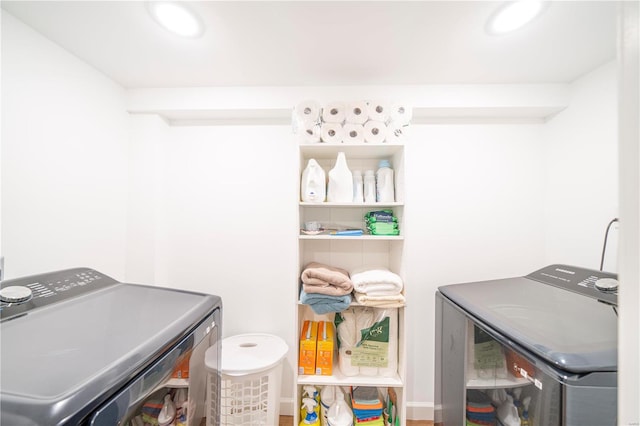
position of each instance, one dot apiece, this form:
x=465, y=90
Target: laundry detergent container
x=251, y=379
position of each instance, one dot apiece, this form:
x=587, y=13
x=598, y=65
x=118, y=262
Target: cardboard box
x=325, y=346
x=308, y=341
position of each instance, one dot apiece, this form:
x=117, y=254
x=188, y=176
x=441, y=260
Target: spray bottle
x=310, y=391
x=310, y=416
x=525, y=420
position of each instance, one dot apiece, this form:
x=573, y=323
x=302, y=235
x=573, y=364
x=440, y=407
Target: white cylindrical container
x=340, y=185
x=384, y=183
x=369, y=187
x=313, y=184
x=358, y=187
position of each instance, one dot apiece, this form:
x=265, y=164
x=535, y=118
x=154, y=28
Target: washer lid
x=572, y=331
x=251, y=353
x=60, y=359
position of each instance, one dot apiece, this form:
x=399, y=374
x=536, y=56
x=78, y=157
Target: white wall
x=581, y=189
x=473, y=212
x=64, y=159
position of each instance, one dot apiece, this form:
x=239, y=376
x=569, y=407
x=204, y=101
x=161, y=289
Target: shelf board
x=327, y=204
x=351, y=150
x=352, y=237
x=497, y=383
x=341, y=380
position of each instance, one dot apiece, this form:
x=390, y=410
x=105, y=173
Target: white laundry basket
x=250, y=380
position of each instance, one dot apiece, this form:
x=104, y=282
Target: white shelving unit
x=349, y=252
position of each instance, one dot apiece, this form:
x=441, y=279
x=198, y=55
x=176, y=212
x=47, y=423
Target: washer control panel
x=20, y=295
x=597, y=284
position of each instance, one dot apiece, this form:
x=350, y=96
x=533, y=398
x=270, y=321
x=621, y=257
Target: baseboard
x=420, y=411
x=415, y=410
x=286, y=406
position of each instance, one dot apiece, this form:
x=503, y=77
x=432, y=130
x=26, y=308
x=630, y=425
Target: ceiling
x=319, y=43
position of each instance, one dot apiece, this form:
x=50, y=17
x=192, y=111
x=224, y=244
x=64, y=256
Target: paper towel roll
x=308, y=132
x=377, y=111
x=375, y=131
x=392, y=368
x=333, y=112
x=331, y=132
x=307, y=111
x=357, y=113
x=353, y=133
x=344, y=361
x=400, y=114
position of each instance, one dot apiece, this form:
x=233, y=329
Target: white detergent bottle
x=340, y=186
x=358, y=187
x=507, y=413
x=168, y=412
x=384, y=183
x=340, y=413
x=313, y=187
x=327, y=397
x=369, y=187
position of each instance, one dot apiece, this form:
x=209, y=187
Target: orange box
x=308, y=341
x=516, y=364
x=181, y=370
x=325, y=345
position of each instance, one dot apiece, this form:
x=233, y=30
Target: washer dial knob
x=607, y=284
x=15, y=294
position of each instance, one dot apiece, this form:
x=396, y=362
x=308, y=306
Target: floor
x=288, y=421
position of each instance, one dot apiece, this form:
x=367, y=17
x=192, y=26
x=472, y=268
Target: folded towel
x=323, y=304
x=391, y=301
x=324, y=279
x=376, y=281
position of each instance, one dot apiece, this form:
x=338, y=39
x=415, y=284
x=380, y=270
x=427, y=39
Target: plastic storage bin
x=250, y=380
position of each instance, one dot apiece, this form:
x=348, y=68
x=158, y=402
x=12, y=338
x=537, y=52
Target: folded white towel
x=376, y=281
x=393, y=301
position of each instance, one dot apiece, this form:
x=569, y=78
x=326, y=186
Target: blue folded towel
x=324, y=303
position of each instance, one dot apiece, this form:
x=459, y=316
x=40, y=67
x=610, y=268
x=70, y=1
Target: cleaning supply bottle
x=327, y=397
x=313, y=187
x=310, y=416
x=340, y=413
x=168, y=412
x=180, y=401
x=369, y=187
x=384, y=183
x=340, y=185
x=310, y=391
x=525, y=420
x=358, y=187
x=508, y=413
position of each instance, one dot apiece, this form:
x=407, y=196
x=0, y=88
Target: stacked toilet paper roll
x=375, y=131
x=357, y=113
x=352, y=122
x=353, y=133
x=378, y=111
x=331, y=132
x=334, y=112
x=307, y=111
x=308, y=132
x=400, y=114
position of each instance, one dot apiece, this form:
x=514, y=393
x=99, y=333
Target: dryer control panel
x=20, y=295
x=596, y=284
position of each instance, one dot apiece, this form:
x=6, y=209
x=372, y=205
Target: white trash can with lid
x=251, y=368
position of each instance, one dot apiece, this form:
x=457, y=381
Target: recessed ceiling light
x=513, y=15
x=176, y=17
